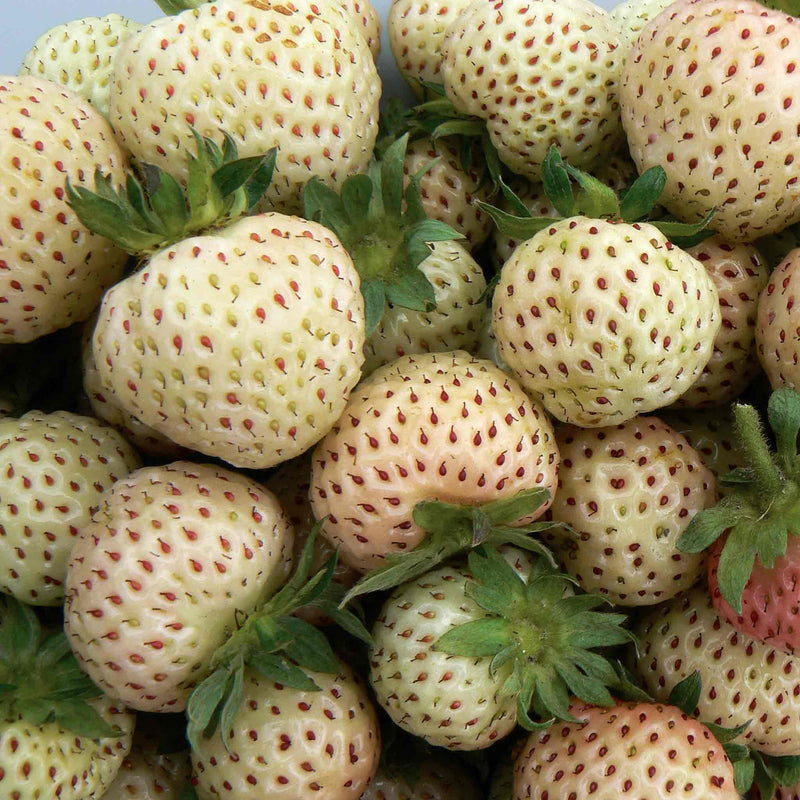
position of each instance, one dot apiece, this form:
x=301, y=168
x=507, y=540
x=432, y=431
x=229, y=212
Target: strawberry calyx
x=276, y=643
x=549, y=633
x=574, y=192
x=153, y=210
x=386, y=231
x=40, y=677
x=453, y=528
x=172, y=7
x=762, y=508
x=749, y=766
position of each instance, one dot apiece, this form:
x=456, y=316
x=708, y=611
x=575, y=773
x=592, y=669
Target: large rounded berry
x=604, y=320
x=164, y=574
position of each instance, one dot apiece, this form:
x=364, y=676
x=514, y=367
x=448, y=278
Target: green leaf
x=736, y=563
x=708, y=525
x=309, y=647
x=686, y=694
x=642, y=196
x=80, y=718
x=392, y=177
x=20, y=632
x=513, y=509
x=557, y=184
x=783, y=413
x=519, y=228
x=595, y=199
x=281, y=671
x=207, y=697
x=374, y=293
x=232, y=702
x=477, y=638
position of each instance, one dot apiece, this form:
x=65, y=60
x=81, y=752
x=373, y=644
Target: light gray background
x=23, y=23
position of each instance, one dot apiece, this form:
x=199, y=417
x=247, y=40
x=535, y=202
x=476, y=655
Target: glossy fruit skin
x=539, y=73
x=297, y=76
x=443, y=426
x=289, y=744
x=51, y=763
x=647, y=750
x=174, y=560
x=709, y=92
x=449, y=701
x=776, y=336
x=53, y=270
x=55, y=471
x=743, y=680
x=603, y=320
x=243, y=345
x=628, y=492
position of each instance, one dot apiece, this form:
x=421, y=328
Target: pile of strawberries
x=353, y=450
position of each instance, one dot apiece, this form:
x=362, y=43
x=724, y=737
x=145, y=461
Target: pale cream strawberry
x=539, y=73
x=709, y=92
x=604, y=320
x=173, y=561
x=298, y=76
x=450, y=192
x=48, y=762
x=776, y=331
x=743, y=680
x=627, y=493
x=242, y=345
x=740, y=274
x=443, y=426
x=633, y=15
x=367, y=16
x=53, y=271
x=79, y=55
x=416, y=32
x=288, y=744
x=458, y=283
x=56, y=469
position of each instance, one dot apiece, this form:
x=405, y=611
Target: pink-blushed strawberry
x=60, y=737
x=539, y=74
x=162, y=576
x=298, y=76
x=709, y=93
x=286, y=743
x=56, y=469
x=451, y=190
x=53, y=270
x=242, y=345
x=79, y=55
x=626, y=494
x=776, y=329
x=752, y=534
x=740, y=274
x=461, y=653
x=439, y=426
x=602, y=320
x=645, y=750
x=416, y=33
x=458, y=286
x=743, y=681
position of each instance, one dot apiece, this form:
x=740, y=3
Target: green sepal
x=357, y=193
x=477, y=638
x=685, y=695
x=172, y=7
x=685, y=234
x=727, y=735
x=451, y=529
x=412, y=290
x=278, y=669
x=206, y=699
x=520, y=228
x=783, y=414
x=20, y=634
x=392, y=178
x=166, y=200
x=83, y=720
x=272, y=636
x=784, y=770
x=232, y=702
x=743, y=769
x=595, y=199
x=557, y=184
x=374, y=293
x=709, y=524
x=643, y=194
x=625, y=686
x=309, y=648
